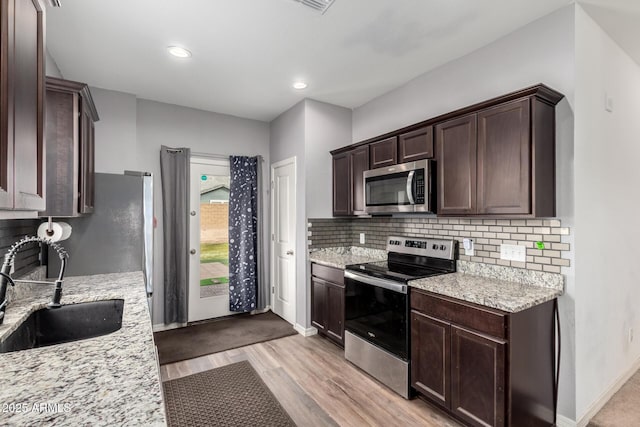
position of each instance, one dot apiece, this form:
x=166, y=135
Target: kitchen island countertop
x=108, y=380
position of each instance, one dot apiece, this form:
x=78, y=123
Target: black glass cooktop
x=395, y=271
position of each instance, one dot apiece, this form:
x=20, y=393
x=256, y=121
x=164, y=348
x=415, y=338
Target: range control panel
x=435, y=248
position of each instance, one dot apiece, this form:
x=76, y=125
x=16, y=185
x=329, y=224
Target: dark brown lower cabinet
x=477, y=377
x=327, y=302
x=485, y=367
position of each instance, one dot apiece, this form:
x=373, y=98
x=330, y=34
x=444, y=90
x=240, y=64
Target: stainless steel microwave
x=399, y=188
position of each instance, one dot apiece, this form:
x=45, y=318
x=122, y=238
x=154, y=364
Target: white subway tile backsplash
x=488, y=234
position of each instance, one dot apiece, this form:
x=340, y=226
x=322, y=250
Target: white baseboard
x=562, y=421
x=595, y=407
x=305, y=332
x=162, y=327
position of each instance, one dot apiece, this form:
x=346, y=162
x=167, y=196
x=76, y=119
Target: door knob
x=193, y=213
x=192, y=251
x=289, y=252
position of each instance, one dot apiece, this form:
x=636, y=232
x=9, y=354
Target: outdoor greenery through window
x=214, y=235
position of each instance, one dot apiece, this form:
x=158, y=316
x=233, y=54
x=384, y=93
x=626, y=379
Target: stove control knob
x=443, y=248
x=434, y=247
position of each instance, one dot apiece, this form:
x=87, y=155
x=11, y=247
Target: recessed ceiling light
x=179, y=52
x=299, y=85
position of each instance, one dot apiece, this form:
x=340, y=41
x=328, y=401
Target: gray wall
x=51, y=66
x=286, y=141
x=541, y=52
x=326, y=127
x=308, y=131
x=606, y=171
x=115, y=131
x=130, y=138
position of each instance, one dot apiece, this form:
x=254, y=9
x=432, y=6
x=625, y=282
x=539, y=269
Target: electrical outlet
x=469, y=248
x=630, y=335
x=362, y=238
x=513, y=253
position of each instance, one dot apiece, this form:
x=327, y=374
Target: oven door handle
x=374, y=281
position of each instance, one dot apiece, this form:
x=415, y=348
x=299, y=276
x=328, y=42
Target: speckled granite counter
x=341, y=257
x=482, y=284
x=107, y=380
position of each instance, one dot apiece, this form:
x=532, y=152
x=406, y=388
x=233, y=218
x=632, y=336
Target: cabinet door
x=416, y=145
x=456, y=156
x=430, y=346
x=62, y=153
x=28, y=104
x=477, y=377
x=318, y=304
x=87, y=169
x=384, y=153
x=504, y=159
x=6, y=105
x=359, y=164
x=341, y=183
x=335, y=313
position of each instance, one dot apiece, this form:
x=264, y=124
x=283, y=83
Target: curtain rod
x=218, y=156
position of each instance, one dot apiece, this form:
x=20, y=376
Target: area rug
x=215, y=336
x=232, y=395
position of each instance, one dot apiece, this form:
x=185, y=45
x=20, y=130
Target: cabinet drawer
x=330, y=274
x=482, y=319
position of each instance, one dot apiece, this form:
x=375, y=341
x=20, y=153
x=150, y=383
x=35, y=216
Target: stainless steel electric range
x=377, y=334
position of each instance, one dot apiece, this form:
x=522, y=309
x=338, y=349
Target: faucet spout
x=5, y=270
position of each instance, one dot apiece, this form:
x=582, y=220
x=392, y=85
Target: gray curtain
x=174, y=170
x=244, y=272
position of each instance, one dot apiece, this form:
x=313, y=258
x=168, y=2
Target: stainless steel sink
x=72, y=322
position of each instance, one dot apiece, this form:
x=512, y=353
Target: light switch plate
x=513, y=253
x=362, y=238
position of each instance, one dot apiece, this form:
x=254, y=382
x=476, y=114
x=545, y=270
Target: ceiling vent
x=319, y=5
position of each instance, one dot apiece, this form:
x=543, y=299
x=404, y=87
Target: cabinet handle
x=289, y=252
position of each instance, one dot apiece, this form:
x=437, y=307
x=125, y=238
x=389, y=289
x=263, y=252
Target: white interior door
x=209, y=240
x=283, y=238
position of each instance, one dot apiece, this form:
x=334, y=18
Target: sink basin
x=72, y=322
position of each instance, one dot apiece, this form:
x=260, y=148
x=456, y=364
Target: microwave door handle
x=410, y=187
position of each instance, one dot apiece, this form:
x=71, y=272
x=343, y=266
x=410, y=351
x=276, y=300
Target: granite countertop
x=342, y=256
x=485, y=285
x=107, y=380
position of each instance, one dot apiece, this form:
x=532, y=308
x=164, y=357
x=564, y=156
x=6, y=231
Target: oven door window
x=378, y=315
x=387, y=190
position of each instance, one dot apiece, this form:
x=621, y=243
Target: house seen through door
x=209, y=239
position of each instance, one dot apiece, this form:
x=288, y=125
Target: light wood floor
x=317, y=386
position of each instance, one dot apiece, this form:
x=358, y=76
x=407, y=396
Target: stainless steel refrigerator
x=118, y=236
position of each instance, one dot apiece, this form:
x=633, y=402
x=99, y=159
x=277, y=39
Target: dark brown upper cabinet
x=348, y=181
x=71, y=115
x=495, y=158
x=415, y=145
x=499, y=161
x=384, y=153
x=22, y=68
x=456, y=166
x=404, y=148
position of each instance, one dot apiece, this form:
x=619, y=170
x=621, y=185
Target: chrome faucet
x=5, y=271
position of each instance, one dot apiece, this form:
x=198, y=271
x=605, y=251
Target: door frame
x=204, y=161
x=272, y=257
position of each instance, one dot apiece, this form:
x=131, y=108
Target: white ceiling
x=247, y=53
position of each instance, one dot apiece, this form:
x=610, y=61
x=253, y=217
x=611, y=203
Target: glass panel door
x=209, y=264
